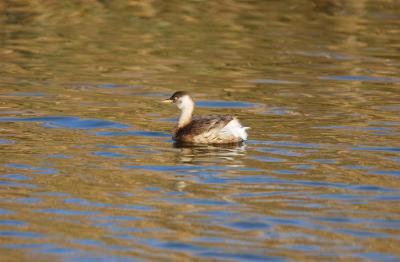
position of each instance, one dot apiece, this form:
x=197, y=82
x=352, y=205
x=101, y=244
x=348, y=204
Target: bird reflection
x=190, y=153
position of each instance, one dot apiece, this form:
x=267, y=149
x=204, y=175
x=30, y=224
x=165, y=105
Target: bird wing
x=209, y=123
x=204, y=124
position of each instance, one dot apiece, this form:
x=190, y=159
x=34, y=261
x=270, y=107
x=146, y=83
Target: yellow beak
x=167, y=101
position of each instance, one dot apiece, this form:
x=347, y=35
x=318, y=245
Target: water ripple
x=133, y=133
x=224, y=104
x=317, y=180
x=110, y=154
x=279, y=151
x=35, y=170
x=362, y=78
x=67, y=212
x=20, y=234
x=67, y=122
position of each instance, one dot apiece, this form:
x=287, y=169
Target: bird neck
x=186, y=116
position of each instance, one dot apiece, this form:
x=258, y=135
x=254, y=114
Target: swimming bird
x=207, y=129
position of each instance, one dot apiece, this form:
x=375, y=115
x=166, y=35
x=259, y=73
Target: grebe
x=206, y=129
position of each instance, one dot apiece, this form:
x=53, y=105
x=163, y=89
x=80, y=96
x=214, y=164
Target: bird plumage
x=216, y=129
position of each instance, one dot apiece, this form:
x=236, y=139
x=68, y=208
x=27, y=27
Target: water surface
x=88, y=170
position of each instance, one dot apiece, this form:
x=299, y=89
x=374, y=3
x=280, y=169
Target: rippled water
x=88, y=171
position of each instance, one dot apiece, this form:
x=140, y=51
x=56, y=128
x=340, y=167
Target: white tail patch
x=236, y=129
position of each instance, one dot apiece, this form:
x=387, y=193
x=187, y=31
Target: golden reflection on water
x=88, y=169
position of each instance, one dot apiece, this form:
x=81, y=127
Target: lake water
x=88, y=170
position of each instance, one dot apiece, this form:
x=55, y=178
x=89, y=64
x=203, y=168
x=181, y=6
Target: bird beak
x=167, y=101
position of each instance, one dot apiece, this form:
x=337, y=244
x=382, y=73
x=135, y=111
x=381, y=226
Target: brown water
x=88, y=171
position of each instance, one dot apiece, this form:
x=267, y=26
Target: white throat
x=186, y=105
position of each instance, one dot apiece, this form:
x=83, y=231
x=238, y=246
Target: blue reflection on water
x=300, y=247
x=9, y=222
x=196, y=201
x=15, y=184
x=240, y=256
x=6, y=212
x=6, y=142
x=110, y=154
x=67, y=122
x=20, y=234
x=268, y=159
x=385, y=172
x=16, y=177
x=65, y=212
x=84, y=202
x=249, y=225
x=373, y=148
x=35, y=170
